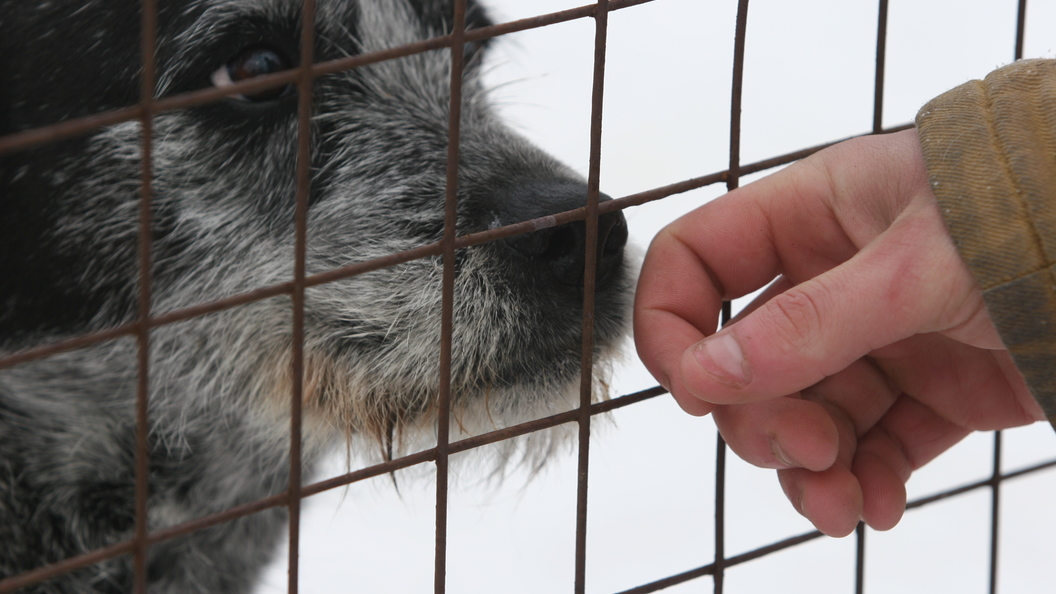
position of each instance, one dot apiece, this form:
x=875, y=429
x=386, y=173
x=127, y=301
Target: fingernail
x=665, y=382
x=722, y=358
x=779, y=453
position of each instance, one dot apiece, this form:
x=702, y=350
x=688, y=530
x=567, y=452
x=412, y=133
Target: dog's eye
x=255, y=61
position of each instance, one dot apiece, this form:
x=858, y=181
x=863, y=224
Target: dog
x=223, y=210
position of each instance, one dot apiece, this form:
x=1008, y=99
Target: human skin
x=870, y=353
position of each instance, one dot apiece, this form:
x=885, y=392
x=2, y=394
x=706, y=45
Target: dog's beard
x=380, y=422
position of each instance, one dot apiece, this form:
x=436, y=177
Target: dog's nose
x=561, y=251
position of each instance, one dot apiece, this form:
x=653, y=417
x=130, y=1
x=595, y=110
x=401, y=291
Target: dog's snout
x=560, y=252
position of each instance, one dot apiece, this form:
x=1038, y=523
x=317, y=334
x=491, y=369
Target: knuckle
x=796, y=319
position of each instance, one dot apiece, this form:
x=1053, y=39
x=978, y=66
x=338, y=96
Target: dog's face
x=224, y=193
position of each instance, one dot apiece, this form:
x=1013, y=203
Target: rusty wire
x=443, y=437
x=305, y=81
x=601, y=20
x=148, y=30
x=733, y=179
x=303, y=77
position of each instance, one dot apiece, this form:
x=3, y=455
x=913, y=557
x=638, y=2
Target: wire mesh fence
x=583, y=418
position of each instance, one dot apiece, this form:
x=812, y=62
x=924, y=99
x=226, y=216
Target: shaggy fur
x=223, y=210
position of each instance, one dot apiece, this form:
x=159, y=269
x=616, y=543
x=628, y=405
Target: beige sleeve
x=990, y=149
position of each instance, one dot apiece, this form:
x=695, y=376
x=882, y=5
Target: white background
x=808, y=80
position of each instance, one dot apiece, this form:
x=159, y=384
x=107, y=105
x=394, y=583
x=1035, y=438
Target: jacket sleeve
x=990, y=150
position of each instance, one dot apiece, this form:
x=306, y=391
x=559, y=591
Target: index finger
x=726, y=249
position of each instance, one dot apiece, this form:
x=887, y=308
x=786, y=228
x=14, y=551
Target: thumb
x=908, y=280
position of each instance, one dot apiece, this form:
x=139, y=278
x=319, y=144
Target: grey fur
x=224, y=187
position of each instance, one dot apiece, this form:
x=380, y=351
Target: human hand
x=870, y=354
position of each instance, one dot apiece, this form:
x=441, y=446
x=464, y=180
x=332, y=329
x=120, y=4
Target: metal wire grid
x=302, y=77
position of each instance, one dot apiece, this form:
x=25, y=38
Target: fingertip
x=883, y=492
x=831, y=500
x=686, y=401
x=695, y=407
x=882, y=469
x=811, y=440
x=781, y=433
x=661, y=339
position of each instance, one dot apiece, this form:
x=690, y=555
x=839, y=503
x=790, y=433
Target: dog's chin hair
x=376, y=424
